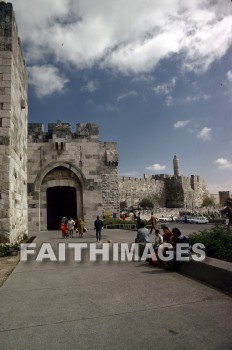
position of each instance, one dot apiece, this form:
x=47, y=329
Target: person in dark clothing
x=139, y=221
x=98, y=224
x=177, y=239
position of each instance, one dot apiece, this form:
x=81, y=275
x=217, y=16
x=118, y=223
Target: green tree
x=123, y=205
x=208, y=202
x=146, y=203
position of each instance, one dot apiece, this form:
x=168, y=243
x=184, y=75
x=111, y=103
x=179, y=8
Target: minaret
x=176, y=166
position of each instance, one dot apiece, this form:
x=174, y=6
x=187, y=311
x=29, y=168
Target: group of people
x=69, y=226
x=172, y=237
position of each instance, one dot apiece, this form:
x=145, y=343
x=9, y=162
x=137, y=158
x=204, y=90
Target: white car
x=164, y=219
x=200, y=220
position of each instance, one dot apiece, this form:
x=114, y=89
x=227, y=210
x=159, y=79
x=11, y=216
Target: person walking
x=70, y=227
x=63, y=228
x=139, y=221
x=81, y=225
x=153, y=221
x=98, y=224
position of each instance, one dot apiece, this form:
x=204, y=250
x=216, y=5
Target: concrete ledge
x=215, y=272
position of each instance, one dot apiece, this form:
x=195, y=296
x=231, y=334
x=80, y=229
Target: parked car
x=200, y=220
x=183, y=219
x=164, y=219
x=190, y=220
x=179, y=219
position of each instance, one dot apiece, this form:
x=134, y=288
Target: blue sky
x=155, y=75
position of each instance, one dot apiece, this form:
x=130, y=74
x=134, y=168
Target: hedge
x=217, y=242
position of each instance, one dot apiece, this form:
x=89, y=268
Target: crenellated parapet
x=61, y=130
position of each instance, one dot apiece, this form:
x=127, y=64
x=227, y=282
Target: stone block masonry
x=163, y=190
x=13, y=130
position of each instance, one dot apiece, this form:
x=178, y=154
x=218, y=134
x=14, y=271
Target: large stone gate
x=67, y=175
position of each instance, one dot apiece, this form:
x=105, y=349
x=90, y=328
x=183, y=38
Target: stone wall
x=89, y=161
x=163, y=190
x=13, y=129
x=133, y=190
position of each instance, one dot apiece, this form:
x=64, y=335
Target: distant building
x=223, y=196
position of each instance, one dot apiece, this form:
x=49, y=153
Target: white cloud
x=143, y=78
x=228, y=91
x=181, y=123
x=156, y=167
x=216, y=187
x=223, y=163
x=46, y=80
x=229, y=76
x=169, y=100
x=205, y=134
x=108, y=107
x=197, y=98
x=85, y=33
x=90, y=86
x=166, y=88
x=127, y=95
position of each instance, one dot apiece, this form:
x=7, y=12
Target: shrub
x=217, y=221
x=146, y=203
x=3, y=251
x=111, y=221
x=217, y=242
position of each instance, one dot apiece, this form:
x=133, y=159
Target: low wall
x=215, y=272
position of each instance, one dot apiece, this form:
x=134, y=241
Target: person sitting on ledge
x=158, y=239
x=176, y=239
x=143, y=234
x=167, y=234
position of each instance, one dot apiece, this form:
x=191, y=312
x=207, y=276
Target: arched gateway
x=61, y=194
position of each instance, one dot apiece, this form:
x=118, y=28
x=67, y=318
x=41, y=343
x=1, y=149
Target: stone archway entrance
x=61, y=201
x=61, y=194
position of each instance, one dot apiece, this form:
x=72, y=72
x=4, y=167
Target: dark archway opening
x=61, y=201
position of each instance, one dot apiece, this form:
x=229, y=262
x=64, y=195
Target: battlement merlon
x=63, y=130
x=9, y=30
x=111, y=153
x=88, y=130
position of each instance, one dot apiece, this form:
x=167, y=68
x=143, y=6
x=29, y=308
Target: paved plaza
x=109, y=305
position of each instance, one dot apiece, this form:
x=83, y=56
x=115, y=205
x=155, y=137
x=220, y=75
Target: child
x=158, y=239
x=63, y=229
